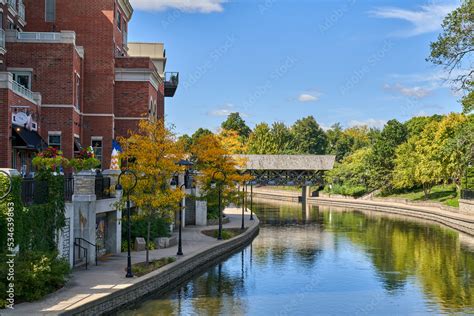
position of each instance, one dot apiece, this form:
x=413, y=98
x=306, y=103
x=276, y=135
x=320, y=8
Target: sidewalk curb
x=168, y=276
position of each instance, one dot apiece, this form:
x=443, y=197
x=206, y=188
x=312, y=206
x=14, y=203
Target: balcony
x=64, y=37
x=2, y=40
x=171, y=83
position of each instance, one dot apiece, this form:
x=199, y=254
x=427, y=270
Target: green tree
x=455, y=46
x=260, y=141
x=308, y=137
x=281, y=138
x=382, y=159
x=235, y=122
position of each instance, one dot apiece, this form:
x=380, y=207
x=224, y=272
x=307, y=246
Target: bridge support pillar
x=305, y=194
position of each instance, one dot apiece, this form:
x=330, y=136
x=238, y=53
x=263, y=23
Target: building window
x=97, y=147
x=23, y=78
x=50, y=10
x=54, y=140
x=119, y=20
x=11, y=25
x=1, y=20
x=78, y=92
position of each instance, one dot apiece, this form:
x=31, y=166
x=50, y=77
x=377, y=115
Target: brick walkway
x=109, y=276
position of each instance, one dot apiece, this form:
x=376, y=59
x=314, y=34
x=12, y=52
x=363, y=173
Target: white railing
x=18, y=88
x=21, y=10
x=2, y=38
x=12, y=4
x=39, y=36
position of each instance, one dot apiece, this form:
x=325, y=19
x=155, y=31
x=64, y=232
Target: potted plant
x=85, y=160
x=50, y=159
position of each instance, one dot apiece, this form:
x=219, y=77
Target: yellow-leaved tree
x=213, y=161
x=152, y=153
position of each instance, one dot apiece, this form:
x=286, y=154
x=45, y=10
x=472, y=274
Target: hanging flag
x=115, y=161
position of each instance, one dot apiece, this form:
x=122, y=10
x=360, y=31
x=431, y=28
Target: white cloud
x=412, y=92
x=309, y=97
x=369, y=123
x=426, y=19
x=225, y=110
x=201, y=6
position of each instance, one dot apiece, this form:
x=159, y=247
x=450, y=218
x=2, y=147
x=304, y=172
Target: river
x=332, y=262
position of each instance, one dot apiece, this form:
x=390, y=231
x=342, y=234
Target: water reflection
x=333, y=261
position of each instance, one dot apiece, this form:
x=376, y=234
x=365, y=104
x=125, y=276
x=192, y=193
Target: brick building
x=70, y=79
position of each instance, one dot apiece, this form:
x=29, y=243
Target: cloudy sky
x=348, y=61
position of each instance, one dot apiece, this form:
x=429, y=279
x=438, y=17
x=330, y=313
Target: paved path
x=109, y=276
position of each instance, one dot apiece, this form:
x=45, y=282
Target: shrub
x=36, y=274
x=354, y=191
x=159, y=228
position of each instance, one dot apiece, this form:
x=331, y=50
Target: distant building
x=70, y=79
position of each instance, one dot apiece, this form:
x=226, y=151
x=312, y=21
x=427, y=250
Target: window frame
x=46, y=12
x=55, y=144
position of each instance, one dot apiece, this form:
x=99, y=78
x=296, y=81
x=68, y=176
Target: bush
x=354, y=191
x=36, y=275
x=159, y=228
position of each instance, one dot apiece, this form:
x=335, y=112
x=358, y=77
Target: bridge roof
x=287, y=162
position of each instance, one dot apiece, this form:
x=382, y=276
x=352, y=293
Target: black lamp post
x=243, y=206
x=129, y=233
x=220, y=183
x=251, y=201
x=187, y=164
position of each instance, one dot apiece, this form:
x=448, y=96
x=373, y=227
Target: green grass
x=142, y=268
x=226, y=233
x=445, y=194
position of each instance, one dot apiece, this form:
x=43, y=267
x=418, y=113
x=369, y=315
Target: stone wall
x=460, y=222
x=168, y=276
x=466, y=206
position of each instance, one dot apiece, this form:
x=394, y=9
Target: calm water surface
x=327, y=261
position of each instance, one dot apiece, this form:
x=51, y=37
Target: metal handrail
x=85, y=253
x=88, y=242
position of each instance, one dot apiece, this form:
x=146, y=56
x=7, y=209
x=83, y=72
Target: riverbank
x=448, y=216
x=104, y=288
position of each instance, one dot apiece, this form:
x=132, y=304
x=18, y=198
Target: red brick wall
x=135, y=62
x=9, y=99
x=92, y=20
x=53, y=69
x=132, y=98
x=63, y=120
x=5, y=130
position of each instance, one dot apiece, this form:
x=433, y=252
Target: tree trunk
x=426, y=191
x=148, y=242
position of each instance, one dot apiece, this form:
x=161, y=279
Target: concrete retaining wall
x=456, y=221
x=167, y=277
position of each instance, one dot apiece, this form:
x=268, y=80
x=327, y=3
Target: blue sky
x=348, y=61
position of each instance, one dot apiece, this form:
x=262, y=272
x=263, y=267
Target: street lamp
x=220, y=183
x=119, y=188
x=242, y=227
x=251, y=201
x=187, y=164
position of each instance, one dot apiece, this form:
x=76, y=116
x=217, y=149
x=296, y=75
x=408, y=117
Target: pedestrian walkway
x=109, y=276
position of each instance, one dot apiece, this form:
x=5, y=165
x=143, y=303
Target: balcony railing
x=12, y=4
x=21, y=10
x=39, y=36
x=171, y=83
x=2, y=39
x=18, y=88
x=102, y=187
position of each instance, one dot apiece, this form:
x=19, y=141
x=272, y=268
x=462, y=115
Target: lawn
x=445, y=194
x=142, y=268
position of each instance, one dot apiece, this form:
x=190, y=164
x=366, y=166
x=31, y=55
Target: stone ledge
x=165, y=278
x=464, y=225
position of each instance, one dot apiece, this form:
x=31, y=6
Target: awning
x=23, y=137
